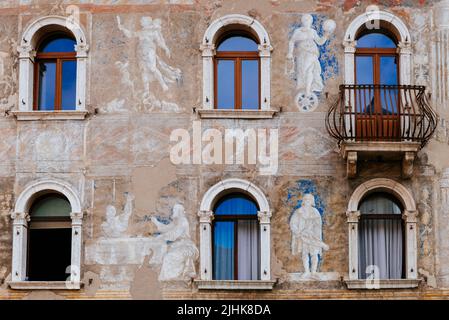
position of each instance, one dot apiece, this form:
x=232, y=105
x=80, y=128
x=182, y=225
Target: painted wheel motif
x=306, y=103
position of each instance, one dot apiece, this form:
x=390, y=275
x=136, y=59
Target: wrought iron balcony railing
x=381, y=113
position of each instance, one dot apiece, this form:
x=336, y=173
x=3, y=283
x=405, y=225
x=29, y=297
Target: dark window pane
x=375, y=40
x=250, y=84
x=379, y=203
x=364, y=75
x=225, y=84
x=52, y=205
x=68, y=99
x=238, y=43
x=248, y=250
x=236, y=204
x=49, y=254
x=364, y=70
x=47, y=82
x=389, y=76
x=223, y=250
x=63, y=44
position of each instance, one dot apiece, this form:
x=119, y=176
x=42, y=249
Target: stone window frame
x=27, y=53
x=404, y=47
x=206, y=217
x=409, y=215
x=21, y=217
x=208, y=47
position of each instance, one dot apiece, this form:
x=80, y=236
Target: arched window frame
x=404, y=46
x=206, y=216
x=27, y=53
x=208, y=48
x=409, y=215
x=21, y=217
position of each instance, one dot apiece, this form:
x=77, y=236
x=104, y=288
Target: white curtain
x=380, y=239
x=248, y=250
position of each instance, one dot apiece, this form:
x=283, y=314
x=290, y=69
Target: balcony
x=388, y=122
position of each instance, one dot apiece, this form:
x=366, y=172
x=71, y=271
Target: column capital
x=353, y=216
x=264, y=216
x=77, y=218
x=410, y=216
x=206, y=216
x=265, y=50
x=208, y=50
x=20, y=217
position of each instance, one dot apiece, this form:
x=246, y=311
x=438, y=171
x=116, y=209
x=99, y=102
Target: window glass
x=51, y=206
x=225, y=84
x=236, y=204
x=224, y=250
x=375, y=40
x=47, y=85
x=68, y=85
x=381, y=244
x=60, y=44
x=238, y=43
x=250, y=84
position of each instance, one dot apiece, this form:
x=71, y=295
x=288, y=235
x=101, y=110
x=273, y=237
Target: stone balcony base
x=406, y=151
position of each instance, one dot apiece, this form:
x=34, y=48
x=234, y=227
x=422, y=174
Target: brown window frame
x=235, y=219
x=237, y=57
x=55, y=57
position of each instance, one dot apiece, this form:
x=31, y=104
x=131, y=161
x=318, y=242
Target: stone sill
x=235, y=284
x=379, y=146
x=383, y=284
x=44, y=285
x=236, y=114
x=49, y=115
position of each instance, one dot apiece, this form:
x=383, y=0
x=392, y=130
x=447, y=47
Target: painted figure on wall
x=304, y=53
x=181, y=253
x=151, y=65
x=306, y=227
x=116, y=224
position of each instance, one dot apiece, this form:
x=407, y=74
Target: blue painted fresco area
x=295, y=194
x=294, y=201
x=328, y=60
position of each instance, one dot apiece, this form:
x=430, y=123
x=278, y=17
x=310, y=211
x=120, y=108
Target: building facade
x=224, y=149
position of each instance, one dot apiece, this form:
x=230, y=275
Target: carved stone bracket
x=407, y=164
x=351, y=164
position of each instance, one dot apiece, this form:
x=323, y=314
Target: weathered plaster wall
x=123, y=146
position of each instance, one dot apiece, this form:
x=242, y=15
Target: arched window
x=237, y=80
x=381, y=237
x=49, y=239
x=236, y=239
x=55, y=74
x=53, y=54
x=236, y=53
